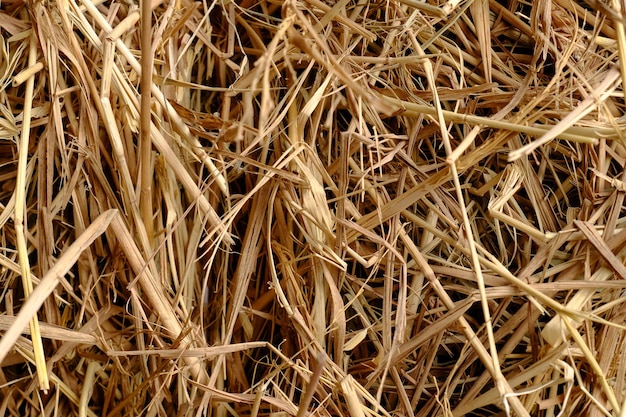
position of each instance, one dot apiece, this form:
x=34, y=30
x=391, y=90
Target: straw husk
x=311, y=207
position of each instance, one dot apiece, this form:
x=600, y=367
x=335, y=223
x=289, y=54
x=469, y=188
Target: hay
x=341, y=208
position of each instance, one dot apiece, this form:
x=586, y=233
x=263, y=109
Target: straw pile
x=351, y=208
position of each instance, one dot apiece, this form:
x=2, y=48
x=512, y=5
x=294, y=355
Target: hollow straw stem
x=579, y=134
x=145, y=156
x=20, y=219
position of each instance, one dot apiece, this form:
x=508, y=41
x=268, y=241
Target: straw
x=20, y=218
x=333, y=208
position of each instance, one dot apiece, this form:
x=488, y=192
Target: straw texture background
x=351, y=208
